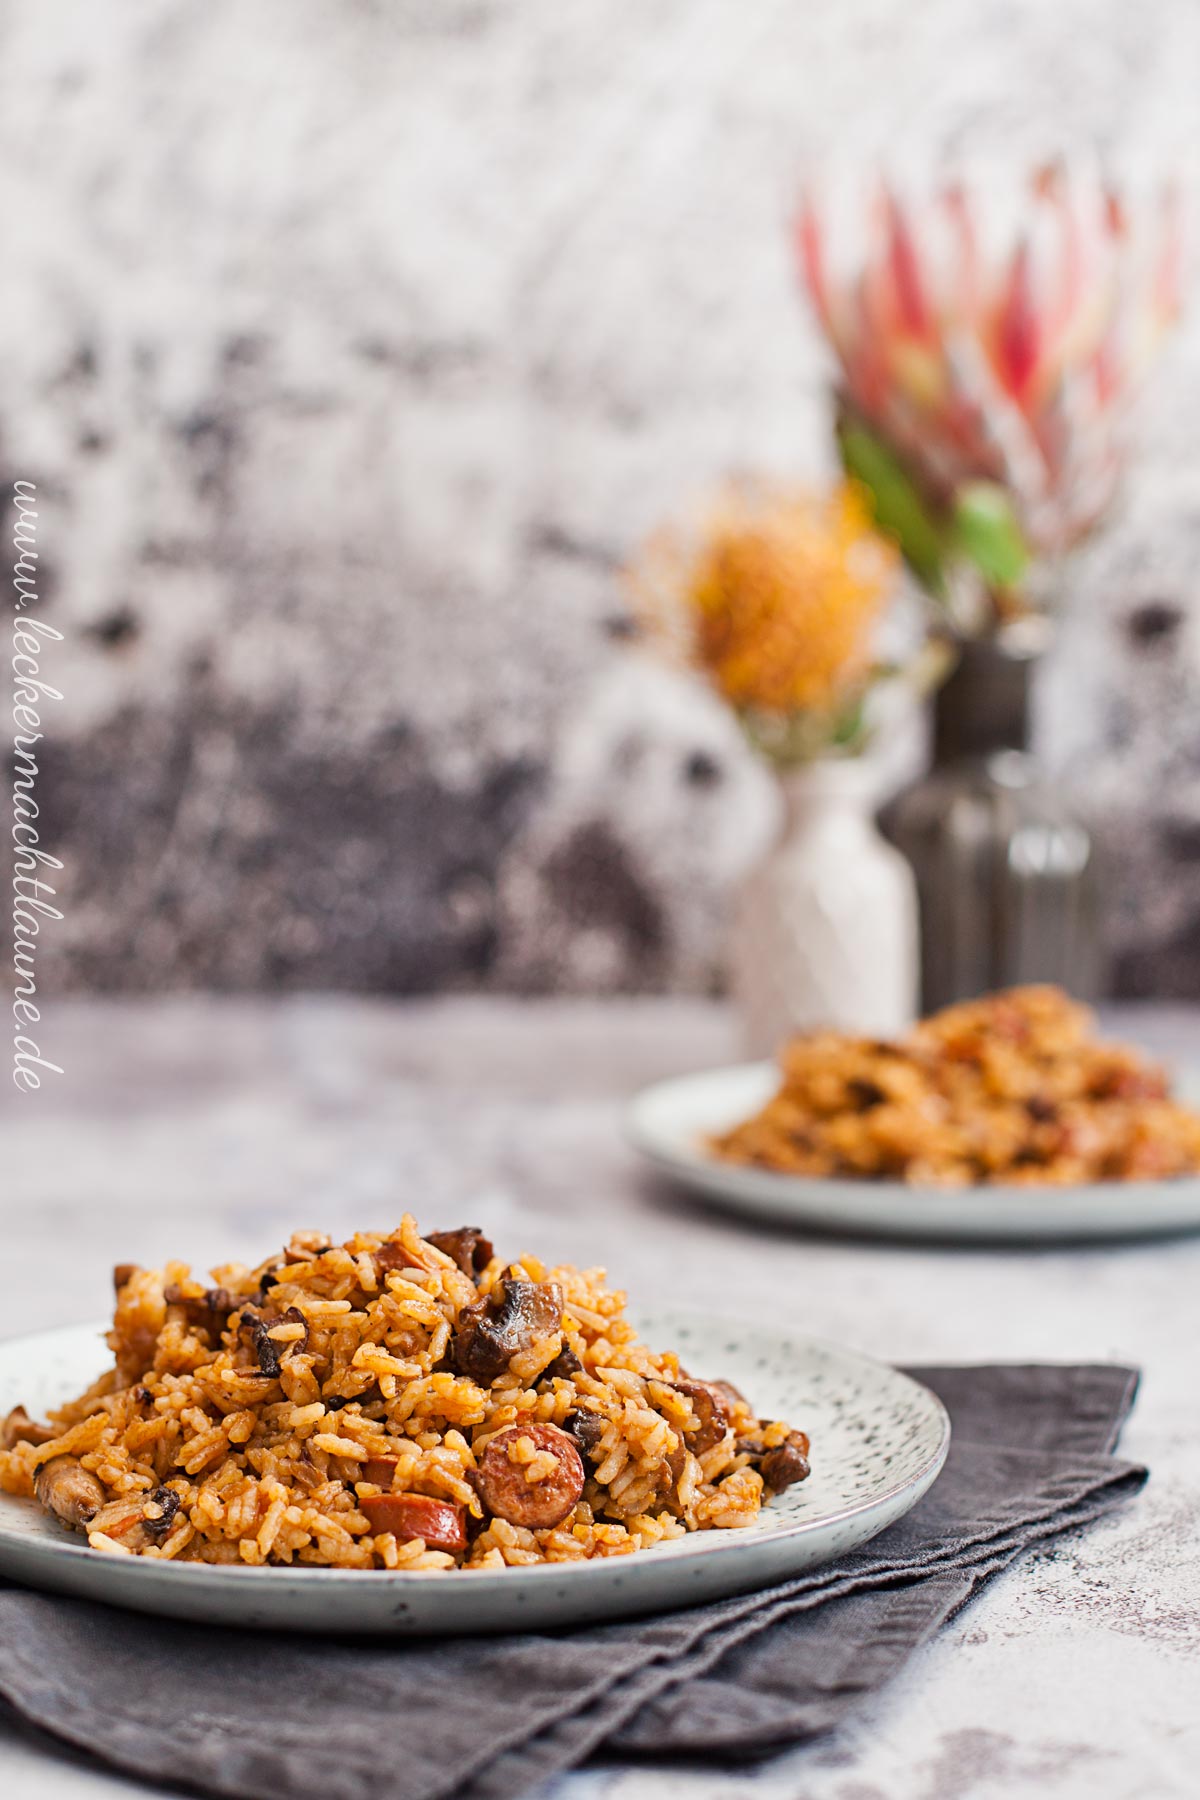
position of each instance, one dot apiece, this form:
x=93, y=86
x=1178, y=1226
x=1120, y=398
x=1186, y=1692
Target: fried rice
x=393, y=1402
x=1014, y=1088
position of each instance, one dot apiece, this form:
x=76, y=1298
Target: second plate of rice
x=1004, y=1118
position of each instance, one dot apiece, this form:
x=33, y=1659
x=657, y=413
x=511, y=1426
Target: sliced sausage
x=494, y=1330
x=380, y=1470
x=69, y=1491
x=467, y=1247
x=442, y=1524
x=714, y=1413
x=505, y=1487
x=786, y=1464
x=19, y=1428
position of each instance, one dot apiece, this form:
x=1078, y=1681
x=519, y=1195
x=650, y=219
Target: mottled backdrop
x=354, y=345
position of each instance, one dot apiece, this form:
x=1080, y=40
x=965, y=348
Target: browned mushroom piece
x=394, y=1256
x=290, y=1346
x=306, y=1472
x=123, y=1274
x=442, y=1524
x=505, y=1486
x=785, y=1465
x=714, y=1413
x=305, y=1246
x=254, y=1329
x=565, y=1364
x=466, y=1246
x=671, y=1471
x=19, y=1428
x=158, y=1513
x=586, y=1428
x=208, y=1312
x=65, y=1488
x=510, y=1320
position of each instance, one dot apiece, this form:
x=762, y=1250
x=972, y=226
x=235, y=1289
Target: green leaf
x=899, y=507
x=849, y=728
x=987, y=531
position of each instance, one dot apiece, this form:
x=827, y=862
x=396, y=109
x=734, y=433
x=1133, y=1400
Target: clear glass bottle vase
x=1007, y=873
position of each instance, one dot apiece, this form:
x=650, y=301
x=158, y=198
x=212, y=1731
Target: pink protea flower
x=1004, y=351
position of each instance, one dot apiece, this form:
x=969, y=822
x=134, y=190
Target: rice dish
x=1013, y=1088
x=393, y=1402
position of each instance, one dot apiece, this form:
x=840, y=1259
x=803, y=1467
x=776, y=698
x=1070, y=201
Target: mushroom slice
x=19, y=1428
x=785, y=1465
x=65, y=1488
x=511, y=1319
x=208, y=1312
x=586, y=1428
x=714, y=1413
x=391, y=1256
x=466, y=1246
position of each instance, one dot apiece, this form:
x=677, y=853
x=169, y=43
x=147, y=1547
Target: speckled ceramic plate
x=878, y=1439
x=670, y=1122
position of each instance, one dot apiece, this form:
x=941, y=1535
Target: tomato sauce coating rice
x=393, y=1402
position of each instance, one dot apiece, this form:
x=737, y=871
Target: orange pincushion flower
x=779, y=599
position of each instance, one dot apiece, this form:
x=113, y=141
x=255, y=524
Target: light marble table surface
x=206, y=1128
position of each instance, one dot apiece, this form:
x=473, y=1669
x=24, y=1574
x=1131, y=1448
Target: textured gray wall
x=354, y=345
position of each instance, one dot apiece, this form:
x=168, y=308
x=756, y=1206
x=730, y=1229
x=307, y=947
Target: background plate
x=879, y=1439
x=669, y=1122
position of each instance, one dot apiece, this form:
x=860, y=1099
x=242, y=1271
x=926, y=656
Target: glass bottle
x=1006, y=872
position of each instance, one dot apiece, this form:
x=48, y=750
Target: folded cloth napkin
x=250, y=1714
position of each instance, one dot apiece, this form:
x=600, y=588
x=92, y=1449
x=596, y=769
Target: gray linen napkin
x=250, y=1715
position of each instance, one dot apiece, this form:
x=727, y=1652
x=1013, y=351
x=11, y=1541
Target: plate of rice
x=411, y=1434
x=1001, y=1118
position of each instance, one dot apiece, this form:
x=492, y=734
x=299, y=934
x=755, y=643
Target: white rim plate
x=879, y=1439
x=669, y=1123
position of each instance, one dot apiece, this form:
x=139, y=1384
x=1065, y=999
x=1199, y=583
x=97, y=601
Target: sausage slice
x=442, y=1524
x=380, y=1470
x=505, y=1487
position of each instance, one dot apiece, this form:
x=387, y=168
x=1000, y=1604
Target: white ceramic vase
x=825, y=931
